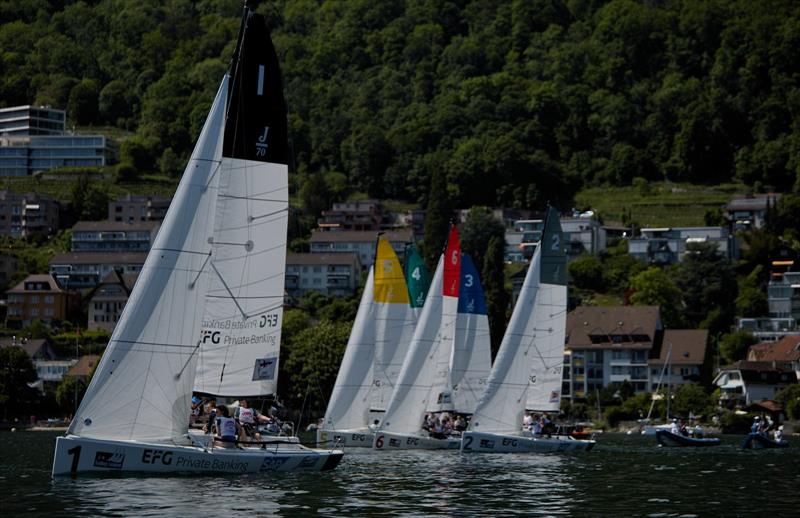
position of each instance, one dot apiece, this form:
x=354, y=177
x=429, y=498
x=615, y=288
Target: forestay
x=533, y=345
x=240, y=339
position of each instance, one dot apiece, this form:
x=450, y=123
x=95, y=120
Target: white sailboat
x=378, y=343
x=227, y=219
x=448, y=360
x=647, y=428
x=527, y=370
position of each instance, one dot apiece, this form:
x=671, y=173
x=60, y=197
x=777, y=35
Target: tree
x=314, y=195
x=95, y=202
x=734, y=346
x=437, y=219
x=497, y=298
x=310, y=364
x=789, y=397
x=752, y=301
x=82, y=105
x=114, y=102
x=69, y=391
x=707, y=287
x=16, y=371
x=479, y=227
x=690, y=398
x=586, y=272
x=653, y=287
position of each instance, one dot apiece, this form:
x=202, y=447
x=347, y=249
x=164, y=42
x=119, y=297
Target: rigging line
x=285, y=209
x=180, y=251
x=213, y=174
x=189, y=359
x=257, y=297
x=229, y=290
x=200, y=271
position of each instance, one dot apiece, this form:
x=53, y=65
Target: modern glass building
x=32, y=120
x=32, y=140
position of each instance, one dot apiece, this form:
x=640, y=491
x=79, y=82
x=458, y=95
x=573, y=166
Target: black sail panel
x=255, y=128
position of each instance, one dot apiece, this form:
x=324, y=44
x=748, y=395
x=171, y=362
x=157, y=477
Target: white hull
x=497, y=443
x=358, y=438
x=399, y=441
x=81, y=455
x=652, y=429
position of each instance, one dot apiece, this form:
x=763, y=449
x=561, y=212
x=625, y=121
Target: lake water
x=622, y=476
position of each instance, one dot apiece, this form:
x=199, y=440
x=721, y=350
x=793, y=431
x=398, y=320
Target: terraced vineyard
x=657, y=204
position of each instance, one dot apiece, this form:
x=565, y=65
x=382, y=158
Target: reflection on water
x=623, y=476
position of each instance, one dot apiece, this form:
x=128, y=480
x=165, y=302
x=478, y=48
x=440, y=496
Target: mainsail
x=240, y=337
x=378, y=341
x=228, y=209
x=533, y=345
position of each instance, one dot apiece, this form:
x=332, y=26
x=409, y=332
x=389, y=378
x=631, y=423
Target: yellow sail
x=390, y=283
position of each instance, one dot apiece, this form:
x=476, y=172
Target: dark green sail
x=418, y=278
x=554, y=257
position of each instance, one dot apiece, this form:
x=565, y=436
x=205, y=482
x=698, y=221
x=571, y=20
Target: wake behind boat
x=528, y=368
x=226, y=222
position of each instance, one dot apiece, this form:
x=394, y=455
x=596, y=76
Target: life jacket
x=226, y=427
x=246, y=415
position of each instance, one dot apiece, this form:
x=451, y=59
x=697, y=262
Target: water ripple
x=623, y=476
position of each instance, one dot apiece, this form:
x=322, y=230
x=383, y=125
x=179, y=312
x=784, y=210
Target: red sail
x=452, y=265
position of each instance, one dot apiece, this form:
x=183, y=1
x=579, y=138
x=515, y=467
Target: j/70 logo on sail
x=261, y=143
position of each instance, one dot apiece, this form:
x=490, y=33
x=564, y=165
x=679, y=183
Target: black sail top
x=255, y=128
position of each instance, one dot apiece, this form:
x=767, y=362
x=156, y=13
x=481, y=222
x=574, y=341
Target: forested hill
x=516, y=101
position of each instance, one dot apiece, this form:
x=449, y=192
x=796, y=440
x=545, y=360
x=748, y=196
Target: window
x=49, y=299
x=48, y=312
x=619, y=355
x=34, y=299
x=34, y=312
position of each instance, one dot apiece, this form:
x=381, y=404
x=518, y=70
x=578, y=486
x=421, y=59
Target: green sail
x=554, y=257
x=417, y=277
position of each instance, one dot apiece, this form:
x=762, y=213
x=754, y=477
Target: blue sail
x=470, y=299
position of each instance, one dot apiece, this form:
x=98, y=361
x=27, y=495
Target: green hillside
x=515, y=102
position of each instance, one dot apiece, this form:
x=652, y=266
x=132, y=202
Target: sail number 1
x=75, y=453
